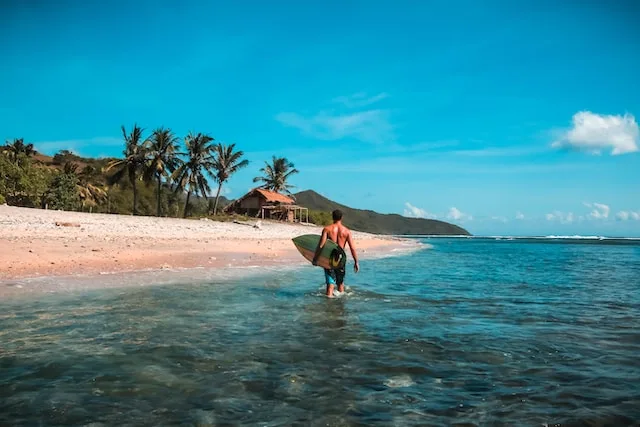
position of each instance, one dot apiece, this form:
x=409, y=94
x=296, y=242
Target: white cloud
x=368, y=126
x=360, y=99
x=77, y=145
x=500, y=151
x=600, y=211
x=415, y=212
x=563, y=218
x=519, y=215
x=456, y=215
x=627, y=215
x=499, y=218
x=595, y=132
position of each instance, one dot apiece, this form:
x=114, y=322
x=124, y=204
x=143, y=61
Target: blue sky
x=512, y=117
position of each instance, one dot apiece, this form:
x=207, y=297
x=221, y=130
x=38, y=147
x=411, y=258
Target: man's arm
x=352, y=248
x=323, y=240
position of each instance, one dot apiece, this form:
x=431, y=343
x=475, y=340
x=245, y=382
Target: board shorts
x=335, y=275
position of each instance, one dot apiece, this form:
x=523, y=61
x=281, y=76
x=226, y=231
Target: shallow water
x=466, y=332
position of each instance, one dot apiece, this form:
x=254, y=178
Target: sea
x=460, y=332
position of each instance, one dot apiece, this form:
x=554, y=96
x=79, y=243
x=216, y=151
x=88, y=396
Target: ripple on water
x=465, y=333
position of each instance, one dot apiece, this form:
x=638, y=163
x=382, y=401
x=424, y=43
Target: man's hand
x=356, y=267
x=314, y=262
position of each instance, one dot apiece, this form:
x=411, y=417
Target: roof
x=269, y=196
x=272, y=196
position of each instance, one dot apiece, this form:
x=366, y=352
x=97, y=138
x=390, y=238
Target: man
x=341, y=235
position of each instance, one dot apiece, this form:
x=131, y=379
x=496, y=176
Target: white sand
x=36, y=242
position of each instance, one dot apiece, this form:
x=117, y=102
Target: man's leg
x=330, y=280
x=340, y=279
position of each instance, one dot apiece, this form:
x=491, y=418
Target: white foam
x=399, y=381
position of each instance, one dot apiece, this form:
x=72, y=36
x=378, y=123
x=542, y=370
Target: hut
x=265, y=204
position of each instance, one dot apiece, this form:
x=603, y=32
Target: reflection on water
x=467, y=333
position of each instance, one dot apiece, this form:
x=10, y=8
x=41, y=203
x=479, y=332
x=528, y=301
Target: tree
x=63, y=192
x=89, y=193
x=132, y=164
x=162, y=158
x=190, y=175
x=64, y=156
x=17, y=148
x=21, y=182
x=226, y=163
x=276, y=175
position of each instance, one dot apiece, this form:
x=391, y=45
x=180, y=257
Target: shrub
x=320, y=218
x=63, y=193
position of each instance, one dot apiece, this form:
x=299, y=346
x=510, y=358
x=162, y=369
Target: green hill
x=373, y=222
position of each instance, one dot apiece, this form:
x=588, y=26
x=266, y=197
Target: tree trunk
x=215, y=204
x=135, y=197
x=184, y=214
x=159, y=187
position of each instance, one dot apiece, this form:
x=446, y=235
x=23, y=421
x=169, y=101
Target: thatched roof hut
x=268, y=205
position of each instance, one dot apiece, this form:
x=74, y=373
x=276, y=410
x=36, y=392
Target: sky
x=505, y=117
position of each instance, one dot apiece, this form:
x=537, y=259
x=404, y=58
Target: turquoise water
x=464, y=332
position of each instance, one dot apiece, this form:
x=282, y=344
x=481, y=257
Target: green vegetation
x=373, y=222
x=63, y=191
x=276, y=175
x=152, y=178
x=191, y=175
x=226, y=163
x=17, y=150
x=162, y=153
x=320, y=217
x=132, y=163
x=21, y=182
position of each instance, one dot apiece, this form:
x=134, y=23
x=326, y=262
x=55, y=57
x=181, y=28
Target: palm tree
x=70, y=168
x=18, y=147
x=162, y=158
x=276, y=175
x=132, y=164
x=190, y=175
x=90, y=194
x=226, y=163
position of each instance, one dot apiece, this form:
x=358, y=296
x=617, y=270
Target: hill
x=373, y=222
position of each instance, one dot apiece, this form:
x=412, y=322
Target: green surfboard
x=332, y=256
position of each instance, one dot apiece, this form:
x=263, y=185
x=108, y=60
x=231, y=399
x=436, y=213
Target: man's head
x=337, y=215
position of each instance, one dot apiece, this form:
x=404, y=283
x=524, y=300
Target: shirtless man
x=341, y=235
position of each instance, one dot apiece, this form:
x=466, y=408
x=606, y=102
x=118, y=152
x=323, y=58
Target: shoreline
x=36, y=244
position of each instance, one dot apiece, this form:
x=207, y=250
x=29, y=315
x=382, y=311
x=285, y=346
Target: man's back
x=338, y=233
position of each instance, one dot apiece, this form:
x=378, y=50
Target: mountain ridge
x=373, y=222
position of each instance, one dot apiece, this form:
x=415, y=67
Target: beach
x=37, y=243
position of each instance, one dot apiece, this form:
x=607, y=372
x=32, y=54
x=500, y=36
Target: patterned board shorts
x=335, y=275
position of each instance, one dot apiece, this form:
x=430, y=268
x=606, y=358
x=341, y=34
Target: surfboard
x=331, y=256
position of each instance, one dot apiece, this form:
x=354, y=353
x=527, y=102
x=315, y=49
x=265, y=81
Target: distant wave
x=550, y=239
x=552, y=236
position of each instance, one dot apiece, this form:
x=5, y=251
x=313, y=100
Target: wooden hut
x=265, y=204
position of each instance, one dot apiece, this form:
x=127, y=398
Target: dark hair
x=337, y=215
